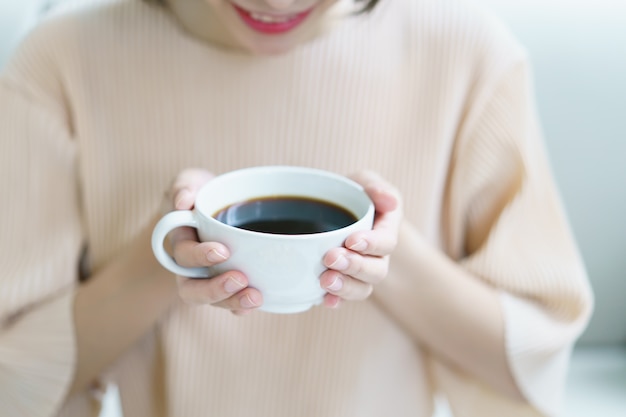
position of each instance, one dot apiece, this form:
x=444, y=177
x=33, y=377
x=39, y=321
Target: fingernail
x=336, y=303
x=340, y=263
x=232, y=285
x=180, y=198
x=247, y=302
x=336, y=285
x=216, y=255
x=360, y=245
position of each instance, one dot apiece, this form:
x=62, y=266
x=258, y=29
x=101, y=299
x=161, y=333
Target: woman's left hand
x=354, y=269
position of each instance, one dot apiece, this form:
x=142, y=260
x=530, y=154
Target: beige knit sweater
x=101, y=108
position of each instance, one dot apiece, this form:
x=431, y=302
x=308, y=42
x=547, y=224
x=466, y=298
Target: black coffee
x=286, y=215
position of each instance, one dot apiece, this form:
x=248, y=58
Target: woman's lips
x=271, y=24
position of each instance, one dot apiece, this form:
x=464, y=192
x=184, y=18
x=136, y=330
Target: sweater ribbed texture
x=101, y=108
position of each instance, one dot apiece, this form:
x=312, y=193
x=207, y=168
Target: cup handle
x=168, y=223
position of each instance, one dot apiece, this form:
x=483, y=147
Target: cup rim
x=367, y=215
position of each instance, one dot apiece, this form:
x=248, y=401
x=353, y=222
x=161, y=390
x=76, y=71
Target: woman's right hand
x=228, y=290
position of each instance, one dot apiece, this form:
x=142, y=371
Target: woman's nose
x=280, y=4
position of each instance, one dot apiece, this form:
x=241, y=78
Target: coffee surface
x=286, y=215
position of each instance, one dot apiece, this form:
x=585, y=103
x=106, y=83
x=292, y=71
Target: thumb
x=385, y=196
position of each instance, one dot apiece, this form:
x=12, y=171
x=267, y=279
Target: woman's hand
x=354, y=269
x=229, y=290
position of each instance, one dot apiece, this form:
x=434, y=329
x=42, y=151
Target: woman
x=428, y=103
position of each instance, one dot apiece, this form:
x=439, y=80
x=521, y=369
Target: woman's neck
x=197, y=18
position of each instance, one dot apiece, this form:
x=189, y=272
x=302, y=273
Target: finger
x=346, y=287
x=369, y=269
x=380, y=241
x=211, y=290
x=331, y=301
x=181, y=234
x=191, y=253
x=186, y=186
x=242, y=302
x=385, y=196
x=228, y=290
x=242, y=312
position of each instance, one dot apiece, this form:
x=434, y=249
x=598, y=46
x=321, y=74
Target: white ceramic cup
x=285, y=268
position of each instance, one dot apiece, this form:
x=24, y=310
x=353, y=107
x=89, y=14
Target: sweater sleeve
x=511, y=231
x=41, y=245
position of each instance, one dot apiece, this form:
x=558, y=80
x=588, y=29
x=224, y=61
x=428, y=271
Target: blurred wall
x=578, y=49
x=15, y=15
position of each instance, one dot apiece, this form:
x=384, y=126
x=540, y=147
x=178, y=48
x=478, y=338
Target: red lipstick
x=271, y=24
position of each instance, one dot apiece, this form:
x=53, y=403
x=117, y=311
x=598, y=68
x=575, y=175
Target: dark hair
x=368, y=4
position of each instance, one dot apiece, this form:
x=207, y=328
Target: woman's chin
x=269, y=47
